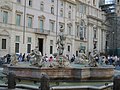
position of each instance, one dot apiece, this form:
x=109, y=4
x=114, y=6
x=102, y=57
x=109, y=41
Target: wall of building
x=91, y=17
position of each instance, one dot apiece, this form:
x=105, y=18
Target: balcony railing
x=42, y=31
x=21, y=28
x=80, y=38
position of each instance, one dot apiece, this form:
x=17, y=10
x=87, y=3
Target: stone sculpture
x=82, y=58
x=36, y=57
x=60, y=42
x=92, y=61
x=61, y=59
x=14, y=60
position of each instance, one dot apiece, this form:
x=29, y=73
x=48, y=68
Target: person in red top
x=50, y=59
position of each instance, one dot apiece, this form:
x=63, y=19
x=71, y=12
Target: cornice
x=95, y=18
x=30, y=15
x=71, y=1
x=41, y=17
x=20, y=12
x=5, y=4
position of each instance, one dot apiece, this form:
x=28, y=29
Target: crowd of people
x=101, y=59
x=24, y=58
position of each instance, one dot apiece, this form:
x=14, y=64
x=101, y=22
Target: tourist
x=20, y=57
x=111, y=60
x=45, y=57
x=73, y=58
x=8, y=58
x=106, y=62
x=50, y=59
x=23, y=57
x=28, y=57
x=97, y=58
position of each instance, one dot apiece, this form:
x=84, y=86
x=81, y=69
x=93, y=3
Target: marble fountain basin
x=71, y=73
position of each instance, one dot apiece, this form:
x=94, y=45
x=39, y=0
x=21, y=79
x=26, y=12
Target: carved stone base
x=62, y=61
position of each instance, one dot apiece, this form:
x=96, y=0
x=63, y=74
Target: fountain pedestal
x=83, y=73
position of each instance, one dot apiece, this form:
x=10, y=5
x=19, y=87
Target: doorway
x=40, y=45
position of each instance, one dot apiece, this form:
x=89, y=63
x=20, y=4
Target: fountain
x=61, y=68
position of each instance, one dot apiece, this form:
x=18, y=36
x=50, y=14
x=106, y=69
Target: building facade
x=112, y=9
x=25, y=24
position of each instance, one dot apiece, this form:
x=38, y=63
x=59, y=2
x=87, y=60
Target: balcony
x=42, y=31
x=21, y=28
x=82, y=38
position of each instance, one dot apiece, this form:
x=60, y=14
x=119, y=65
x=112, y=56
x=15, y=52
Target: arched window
x=61, y=13
x=69, y=14
x=69, y=27
x=42, y=6
x=95, y=32
x=30, y=3
x=52, y=10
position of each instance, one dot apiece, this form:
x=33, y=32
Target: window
x=19, y=1
x=61, y=13
x=69, y=6
x=82, y=47
x=95, y=32
x=52, y=10
x=52, y=0
x=42, y=6
x=61, y=26
x=68, y=48
x=41, y=25
x=17, y=39
x=61, y=3
x=5, y=17
x=81, y=33
x=29, y=40
x=93, y=2
x=51, y=46
x=117, y=0
x=29, y=22
x=69, y=15
x=82, y=30
x=51, y=42
x=69, y=30
x=28, y=48
x=16, y=47
x=51, y=49
x=18, y=19
x=77, y=30
x=52, y=24
x=30, y=3
x=3, y=43
x=82, y=8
